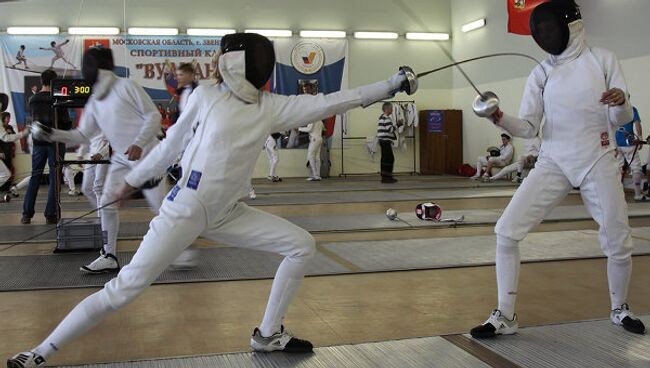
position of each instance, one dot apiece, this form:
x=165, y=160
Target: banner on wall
x=152, y=60
x=519, y=15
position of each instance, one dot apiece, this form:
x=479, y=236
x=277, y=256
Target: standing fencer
x=271, y=149
x=121, y=110
x=527, y=160
x=488, y=162
x=629, y=152
x=8, y=137
x=92, y=185
x=315, y=131
x=580, y=92
x=219, y=162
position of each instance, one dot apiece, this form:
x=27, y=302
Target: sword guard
x=486, y=104
x=410, y=85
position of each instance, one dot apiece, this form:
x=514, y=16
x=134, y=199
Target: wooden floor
x=202, y=318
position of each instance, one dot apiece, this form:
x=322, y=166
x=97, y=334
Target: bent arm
x=164, y=154
x=621, y=114
x=531, y=110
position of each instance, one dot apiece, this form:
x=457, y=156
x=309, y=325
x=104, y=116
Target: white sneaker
x=252, y=194
x=26, y=359
x=622, y=316
x=496, y=324
x=314, y=178
x=475, y=177
x=188, y=260
x=74, y=192
x=640, y=198
x=14, y=191
x=105, y=263
x=282, y=341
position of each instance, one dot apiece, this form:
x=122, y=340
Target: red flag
x=519, y=15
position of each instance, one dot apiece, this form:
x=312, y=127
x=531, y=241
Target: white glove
x=41, y=132
x=396, y=80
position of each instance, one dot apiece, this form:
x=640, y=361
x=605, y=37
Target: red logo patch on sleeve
x=604, y=139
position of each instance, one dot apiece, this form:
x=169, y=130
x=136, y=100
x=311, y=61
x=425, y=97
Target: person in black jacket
x=41, y=109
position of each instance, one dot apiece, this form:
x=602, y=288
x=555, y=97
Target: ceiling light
x=137, y=31
x=376, y=35
x=33, y=30
x=271, y=32
x=108, y=31
x=473, y=25
x=427, y=36
x=323, y=34
x=209, y=31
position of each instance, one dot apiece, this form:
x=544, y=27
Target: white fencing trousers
x=272, y=154
x=517, y=166
x=93, y=183
x=602, y=194
x=625, y=155
x=120, y=166
x=482, y=162
x=313, y=154
x=179, y=223
x=5, y=174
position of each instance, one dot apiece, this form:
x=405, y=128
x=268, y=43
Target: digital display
x=71, y=88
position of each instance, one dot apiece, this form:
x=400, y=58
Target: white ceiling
x=349, y=15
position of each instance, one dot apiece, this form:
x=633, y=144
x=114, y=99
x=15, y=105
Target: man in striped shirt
x=386, y=136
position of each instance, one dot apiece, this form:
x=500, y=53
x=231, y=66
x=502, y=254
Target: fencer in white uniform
x=488, y=162
x=581, y=93
x=121, y=110
x=527, y=160
x=315, y=131
x=218, y=164
x=628, y=152
x=5, y=173
x=271, y=149
x=94, y=174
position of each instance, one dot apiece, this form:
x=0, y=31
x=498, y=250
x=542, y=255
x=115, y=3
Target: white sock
x=507, y=265
x=110, y=226
x=618, y=277
x=285, y=285
x=82, y=318
x=636, y=179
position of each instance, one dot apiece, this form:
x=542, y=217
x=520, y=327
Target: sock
x=618, y=277
x=83, y=317
x=507, y=266
x=285, y=285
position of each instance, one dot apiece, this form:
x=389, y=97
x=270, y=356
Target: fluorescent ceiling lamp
x=209, y=31
x=33, y=30
x=473, y=25
x=137, y=31
x=271, y=32
x=323, y=34
x=376, y=35
x=109, y=31
x=420, y=36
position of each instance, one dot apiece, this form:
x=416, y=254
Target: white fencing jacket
x=532, y=146
x=566, y=91
x=121, y=110
x=220, y=157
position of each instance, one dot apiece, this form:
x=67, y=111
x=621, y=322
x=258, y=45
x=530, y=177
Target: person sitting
x=499, y=158
x=525, y=161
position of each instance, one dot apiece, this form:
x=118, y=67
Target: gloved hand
x=396, y=81
x=41, y=132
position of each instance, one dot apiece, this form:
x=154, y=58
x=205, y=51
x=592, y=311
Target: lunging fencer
x=581, y=93
x=122, y=111
x=218, y=163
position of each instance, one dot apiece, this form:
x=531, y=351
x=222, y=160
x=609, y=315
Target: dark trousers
x=42, y=155
x=387, y=159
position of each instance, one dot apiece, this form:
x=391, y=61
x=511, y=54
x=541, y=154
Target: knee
x=304, y=246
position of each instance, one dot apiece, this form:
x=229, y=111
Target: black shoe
x=26, y=220
x=388, y=180
x=280, y=341
x=51, y=220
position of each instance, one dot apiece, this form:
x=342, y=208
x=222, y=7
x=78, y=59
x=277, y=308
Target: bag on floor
x=466, y=170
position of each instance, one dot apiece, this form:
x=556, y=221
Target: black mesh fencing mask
x=259, y=55
x=549, y=24
x=96, y=58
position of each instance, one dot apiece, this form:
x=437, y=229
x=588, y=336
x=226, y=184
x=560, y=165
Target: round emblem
x=307, y=57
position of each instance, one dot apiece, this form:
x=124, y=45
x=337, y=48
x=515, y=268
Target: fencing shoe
x=280, y=341
x=188, y=260
x=497, y=324
x=26, y=359
x=622, y=316
x=105, y=263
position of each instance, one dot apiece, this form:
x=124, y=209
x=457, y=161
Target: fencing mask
x=549, y=24
x=247, y=59
x=428, y=211
x=4, y=102
x=96, y=58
